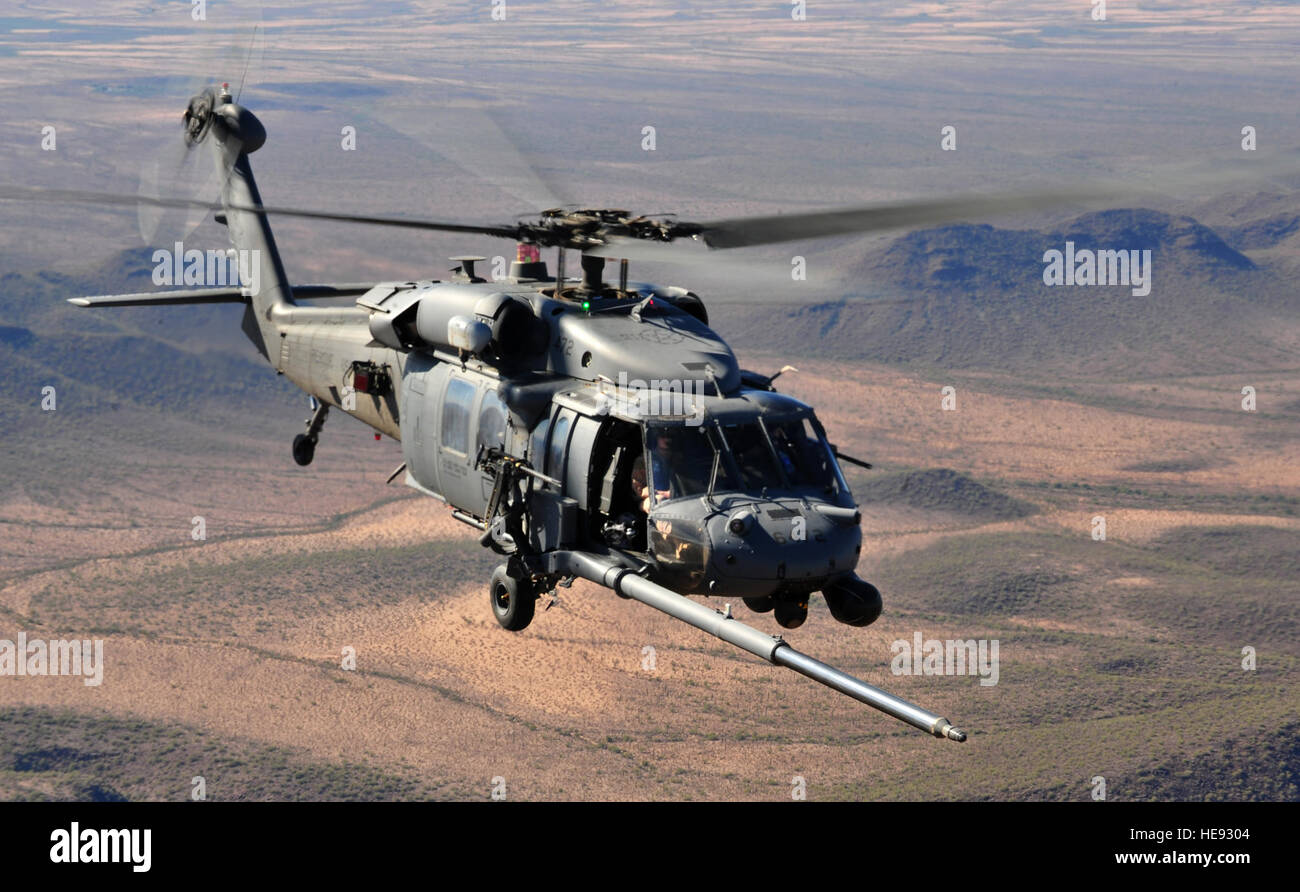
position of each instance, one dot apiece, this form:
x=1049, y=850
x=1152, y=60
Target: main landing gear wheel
x=513, y=600
x=760, y=605
x=304, y=449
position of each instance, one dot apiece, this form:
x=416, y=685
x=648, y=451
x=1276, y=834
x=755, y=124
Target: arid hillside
x=1119, y=658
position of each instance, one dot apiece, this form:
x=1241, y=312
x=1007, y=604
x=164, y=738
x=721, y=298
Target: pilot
x=661, y=462
x=785, y=451
x=639, y=489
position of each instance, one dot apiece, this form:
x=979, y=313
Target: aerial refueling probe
x=628, y=584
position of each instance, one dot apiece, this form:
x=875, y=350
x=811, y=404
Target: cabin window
x=456, y=407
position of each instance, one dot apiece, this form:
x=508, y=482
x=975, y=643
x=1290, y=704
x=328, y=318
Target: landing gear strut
x=304, y=445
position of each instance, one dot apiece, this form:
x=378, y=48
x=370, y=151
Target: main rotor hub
x=581, y=228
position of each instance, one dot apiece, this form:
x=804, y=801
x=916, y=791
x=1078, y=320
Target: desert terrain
x=1121, y=657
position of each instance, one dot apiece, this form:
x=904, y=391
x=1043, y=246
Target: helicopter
x=584, y=428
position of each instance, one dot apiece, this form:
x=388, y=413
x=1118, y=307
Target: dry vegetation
x=1119, y=658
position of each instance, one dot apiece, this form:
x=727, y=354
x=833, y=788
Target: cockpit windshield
x=683, y=461
x=747, y=456
x=753, y=455
x=804, y=456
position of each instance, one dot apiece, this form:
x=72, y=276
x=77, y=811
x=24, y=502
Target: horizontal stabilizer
x=163, y=298
x=353, y=289
x=210, y=296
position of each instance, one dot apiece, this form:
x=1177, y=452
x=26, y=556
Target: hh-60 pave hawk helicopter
x=523, y=404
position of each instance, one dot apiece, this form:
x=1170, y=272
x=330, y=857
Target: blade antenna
x=248, y=57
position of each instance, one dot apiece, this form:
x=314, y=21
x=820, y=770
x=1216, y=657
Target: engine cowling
x=516, y=331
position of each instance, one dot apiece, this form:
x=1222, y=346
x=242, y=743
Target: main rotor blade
x=739, y=232
x=742, y=232
x=38, y=193
x=471, y=139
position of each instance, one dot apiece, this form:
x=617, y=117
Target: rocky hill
x=975, y=296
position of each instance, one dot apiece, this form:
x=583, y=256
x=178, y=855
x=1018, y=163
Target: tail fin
x=230, y=133
x=239, y=133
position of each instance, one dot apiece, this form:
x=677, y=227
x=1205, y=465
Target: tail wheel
x=513, y=600
x=304, y=449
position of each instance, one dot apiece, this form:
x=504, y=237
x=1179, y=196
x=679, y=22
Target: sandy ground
x=568, y=709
